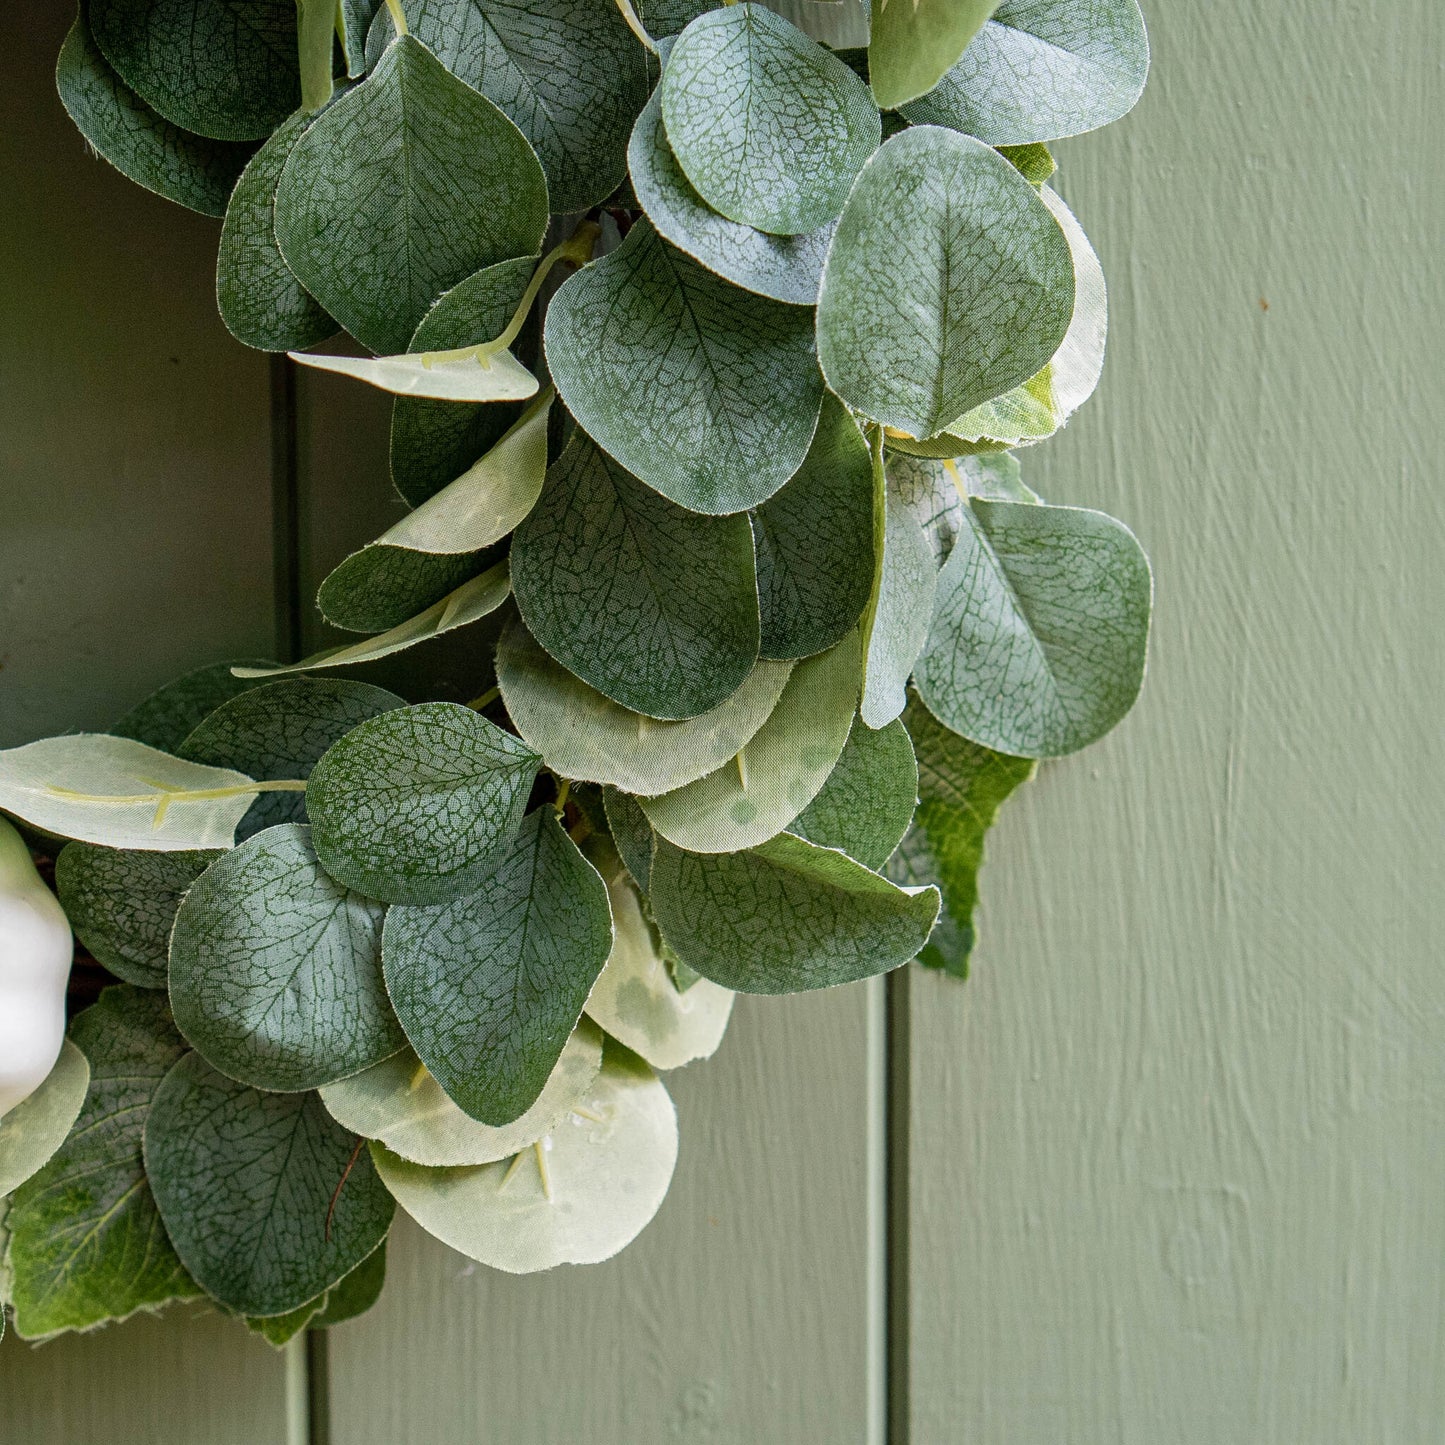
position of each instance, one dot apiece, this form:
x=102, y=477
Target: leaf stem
x=485, y=699
x=560, y=802
x=345, y=1175
x=181, y=795
x=635, y=25
x=397, y=18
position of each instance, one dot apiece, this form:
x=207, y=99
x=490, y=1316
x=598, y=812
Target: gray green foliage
x=169, y=715
x=653, y=605
x=632, y=835
x=191, y=170
x=707, y=393
x=490, y=986
x=413, y=805
x=251, y=1188
x=402, y=188
x=275, y=969
x=122, y=902
x=32, y=1130
x=382, y=586
x=86, y=1241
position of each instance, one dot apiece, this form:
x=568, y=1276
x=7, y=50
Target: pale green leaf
x=1043, y=69
x=925, y=488
x=913, y=44
x=607, y=1173
x=500, y=377
x=654, y=606
x=708, y=393
x=122, y=903
x=315, y=42
x=250, y=1186
x=35, y=1128
x=400, y=1104
x=275, y=969
x=189, y=169
x=414, y=806
x=490, y=986
x=585, y=736
x=760, y=790
x=1039, y=636
x=380, y=586
x=948, y=283
x=785, y=916
x=354, y=19
x=402, y=188
x=169, y=715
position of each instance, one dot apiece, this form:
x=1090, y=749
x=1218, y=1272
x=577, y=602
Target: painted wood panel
x=1176, y=1147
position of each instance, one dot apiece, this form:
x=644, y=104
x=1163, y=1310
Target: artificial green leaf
x=276, y=969
x=471, y=379
x=634, y=998
x=925, y=488
x=948, y=283
x=122, y=902
x=814, y=578
x=279, y=1330
x=606, y=1174
x=771, y=779
x=185, y=168
x=264, y=1196
x=356, y=1292
x=568, y=72
x=913, y=43
x=315, y=41
x=707, y=393
x=585, y=736
x=787, y=268
x=36, y=1127
x=867, y=803
x=1035, y=163
x=86, y=1242
x=631, y=834
x=400, y=1104
x=961, y=787
x=354, y=19
x=169, y=715
x=489, y=986
x=381, y=587
x=280, y=730
x=769, y=127
x=260, y=299
x=432, y=442
x=221, y=68
x=654, y=606
x=785, y=916
x=1039, y=636
x=118, y=792
x=995, y=478
x=1043, y=69
x=402, y=188
x=939, y=446
x=670, y=17
x=469, y=603
x=414, y=806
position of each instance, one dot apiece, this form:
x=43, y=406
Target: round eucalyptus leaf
x=35, y=1128
x=122, y=904
x=354, y=1293
x=911, y=47
x=401, y=1105
x=654, y=606
x=1041, y=629
x=635, y=998
x=947, y=284
x=925, y=488
x=814, y=579
x=787, y=268
x=413, y=806
x=866, y=805
x=260, y=299
x=280, y=730
x=169, y=715
x=382, y=586
x=275, y=968
x=607, y=1173
x=778, y=772
x=189, y=169
x=785, y=916
x=587, y=737
x=490, y=985
x=222, y=68
x=707, y=393
x=632, y=836
x=1041, y=70
x=403, y=187
x=250, y=1187
x=770, y=128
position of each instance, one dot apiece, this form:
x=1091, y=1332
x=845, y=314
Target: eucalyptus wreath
x=712, y=349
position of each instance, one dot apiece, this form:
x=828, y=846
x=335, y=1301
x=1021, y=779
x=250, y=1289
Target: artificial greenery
x=723, y=489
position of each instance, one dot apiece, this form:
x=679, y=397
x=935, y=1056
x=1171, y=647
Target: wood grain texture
x=1176, y=1147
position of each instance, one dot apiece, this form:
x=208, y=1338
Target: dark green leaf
x=402, y=188
x=490, y=986
x=912, y=45
x=34, y=1129
x=248, y=1185
x=356, y=17
x=382, y=586
x=356, y=1292
x=632, y=834
x=169, y=715
x=707, y=393
x=415, y=805
x=276, y=969
x=279, y=1330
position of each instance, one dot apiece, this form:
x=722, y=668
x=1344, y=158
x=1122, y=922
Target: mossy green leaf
x=382, y=586
x=632, y=834
x=315, y=44
x=913, y=45
x=490, y=986
x=35, y=1128
x=169, y=715
x=354, y=19
x=354, y=1293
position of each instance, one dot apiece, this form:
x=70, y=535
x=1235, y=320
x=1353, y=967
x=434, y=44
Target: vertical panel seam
x=285, y=510
x=898, y=1140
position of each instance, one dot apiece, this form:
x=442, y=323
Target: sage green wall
x=1173, y=1174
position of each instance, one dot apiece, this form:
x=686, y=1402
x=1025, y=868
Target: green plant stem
x=184, y=795
x=397, y=18
x=634, y=25
x=485, y=700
